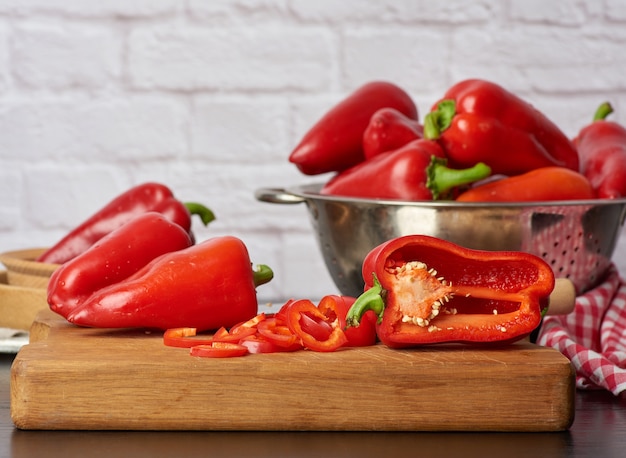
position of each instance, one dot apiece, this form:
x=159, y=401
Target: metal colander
x=576, y=238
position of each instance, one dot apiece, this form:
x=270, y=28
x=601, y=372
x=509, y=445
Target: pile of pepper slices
x=135, y=262
x=478, y=143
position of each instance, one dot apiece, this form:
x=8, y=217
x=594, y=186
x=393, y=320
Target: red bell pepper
x=114, y=258
x=415, y=172
x=479, y=121
x=135, y=201
x=388, y=130
x=543, y=184
x=205, y=286
x=335, y=142
x=602, y=150
x=426, y=290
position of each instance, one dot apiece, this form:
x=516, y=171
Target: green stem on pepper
x=603, y=111
x=372, y=299
x=206, y=215
x=442, y=179
x=262, y=275
x=439, y=119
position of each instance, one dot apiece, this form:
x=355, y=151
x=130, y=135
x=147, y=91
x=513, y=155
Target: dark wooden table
x=599, y=431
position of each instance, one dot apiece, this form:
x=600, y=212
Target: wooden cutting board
x=94, y=379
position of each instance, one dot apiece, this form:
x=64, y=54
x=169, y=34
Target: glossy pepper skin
x=602, y=150
x=426, y=290
x=388, y=130
x=206, y=286
x=335, y=142
x=136, y=200
x=113, y=258
x=543, y=184
x=479, y=121
x=414, y=172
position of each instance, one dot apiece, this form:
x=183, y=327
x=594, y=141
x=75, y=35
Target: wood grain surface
x=95, y=379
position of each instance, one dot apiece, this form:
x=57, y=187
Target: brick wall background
x=210, y=97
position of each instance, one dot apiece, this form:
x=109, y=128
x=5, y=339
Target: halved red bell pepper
x=479, y=121
x=335, y=142
x=113, y=258
x=140, y=199
x=543, y=184
x=388, y=130
x=205, y=286
x=414, y=172
x=602, y=149
x=427, y=290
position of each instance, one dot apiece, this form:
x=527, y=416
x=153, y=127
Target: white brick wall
x=210, y=97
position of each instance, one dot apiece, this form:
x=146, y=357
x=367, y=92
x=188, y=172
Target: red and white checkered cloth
x=593, y=335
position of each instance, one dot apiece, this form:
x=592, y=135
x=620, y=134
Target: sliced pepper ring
x=183, y=338
x=218, y=350
x=325, y=312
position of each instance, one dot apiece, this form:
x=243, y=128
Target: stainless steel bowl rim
x=300, y=193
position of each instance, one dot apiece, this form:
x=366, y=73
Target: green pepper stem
x=372, y=299
x=439, y=119
x=441, y=178
x=603, y=111
x=262, y=275
x=205, y=214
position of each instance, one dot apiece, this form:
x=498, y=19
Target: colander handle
x=277, y=196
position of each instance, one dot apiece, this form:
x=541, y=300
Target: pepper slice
x=427, y=290
x=276, y=331
x=183, y=338
x=239, y=331
x=218, y=350
x=325, y=311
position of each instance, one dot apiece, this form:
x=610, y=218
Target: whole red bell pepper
x=137, y=200
x=335, y=142
x=543, y=184
x=414, y=172
x=479, y=121
x=206, y=286
x=427, y=290
x=602, y=150
x=113, y=258
x=388, y=130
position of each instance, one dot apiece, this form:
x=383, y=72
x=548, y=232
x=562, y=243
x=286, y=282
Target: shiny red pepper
x=205, y=286
x=388, y=130
x=113, y=258
x=137, y=200
x=414, y=172
x=543, y=184
x=335, y=142
x=427, y=290
x=479, y=121
x=602, y=150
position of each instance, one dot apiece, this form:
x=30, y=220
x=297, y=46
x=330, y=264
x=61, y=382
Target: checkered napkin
x=593, y=335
